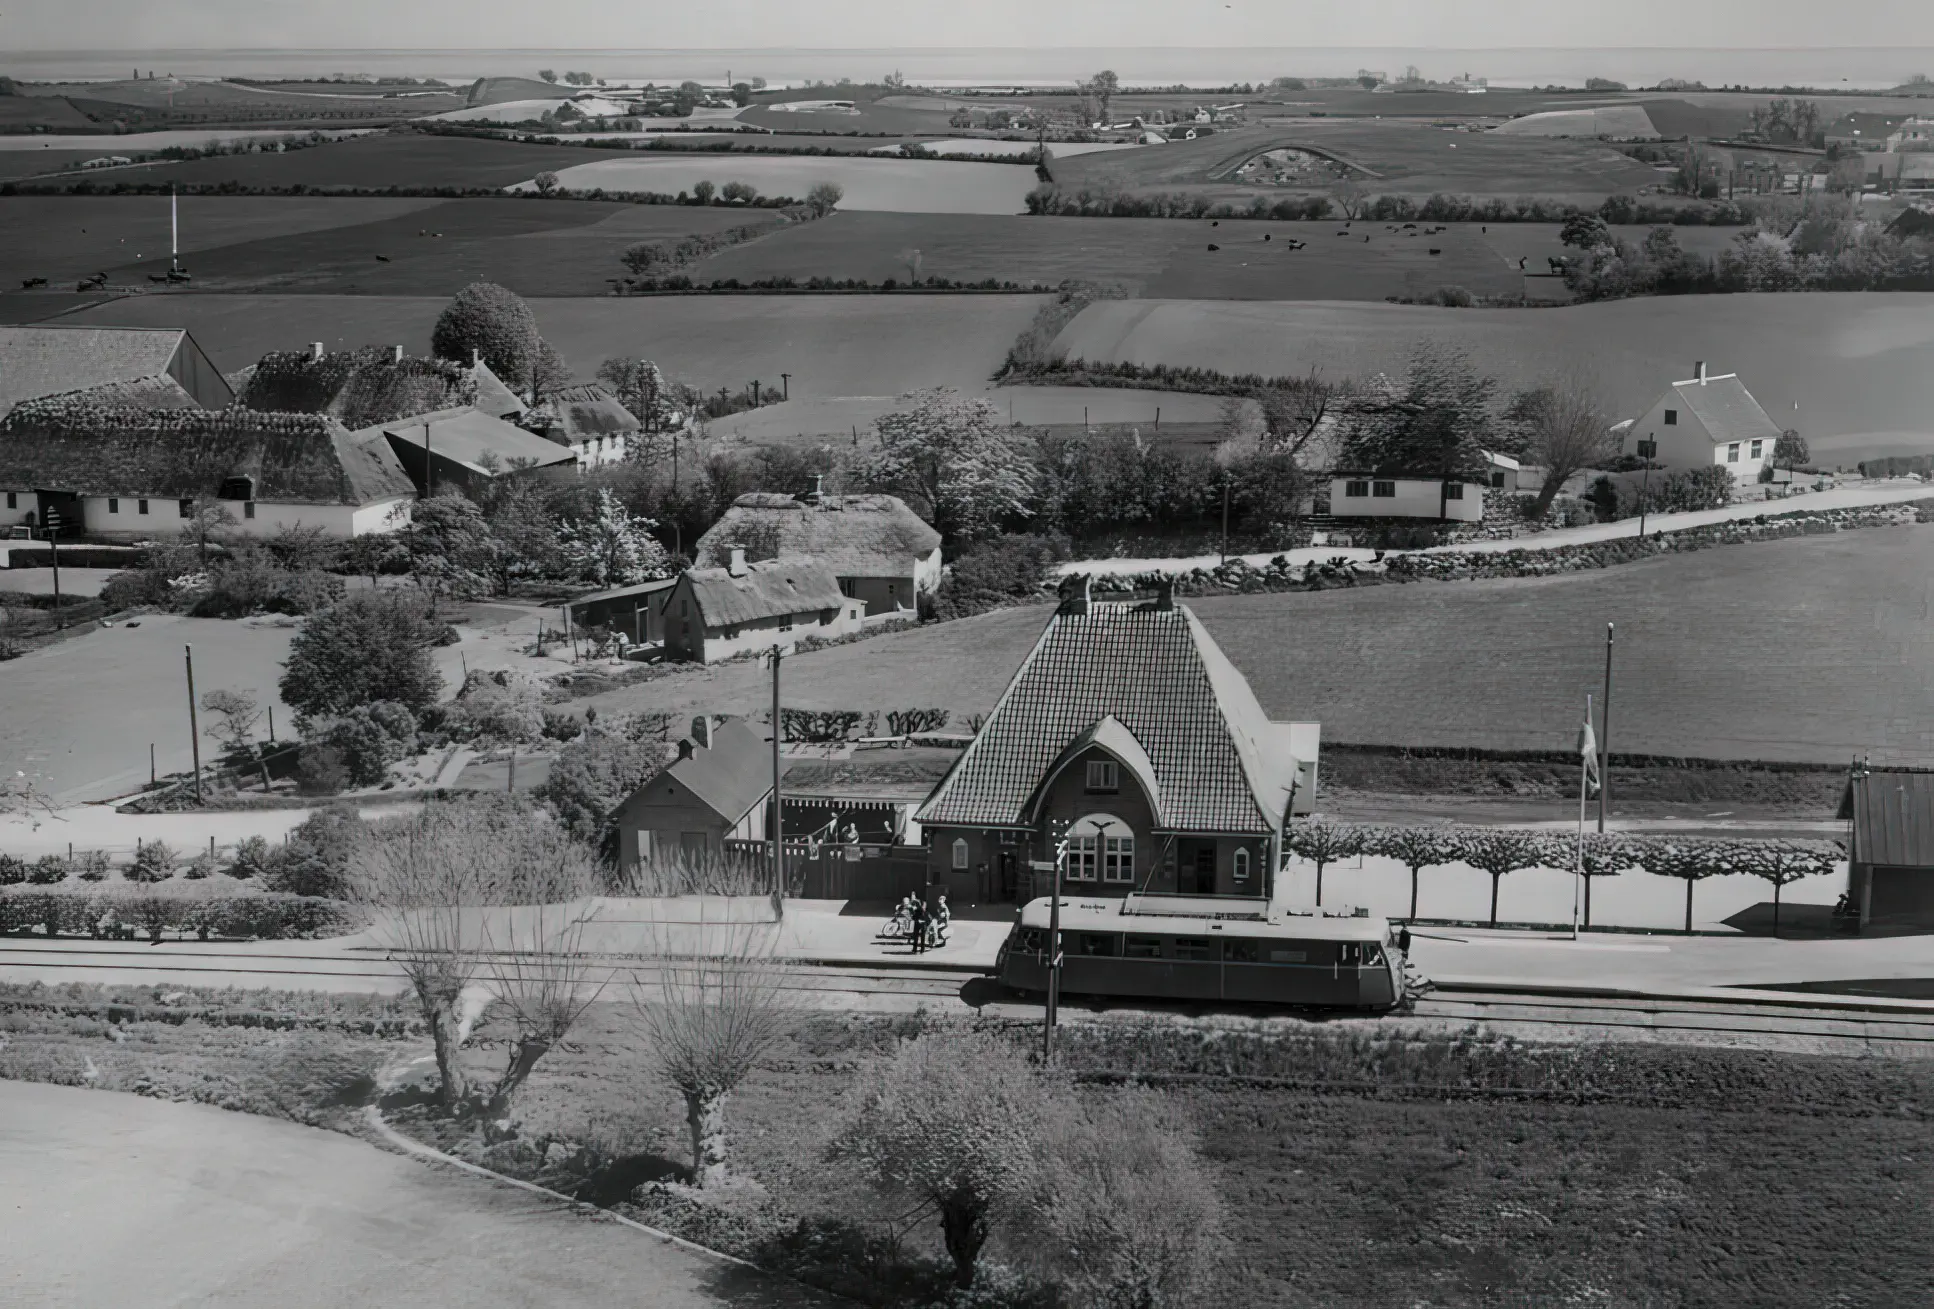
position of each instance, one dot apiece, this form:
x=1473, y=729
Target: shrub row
x=112, y=912
x=841, y=724
x=1111, y=202
x=682, y=285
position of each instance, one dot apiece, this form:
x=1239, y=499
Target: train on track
x=1173, y=947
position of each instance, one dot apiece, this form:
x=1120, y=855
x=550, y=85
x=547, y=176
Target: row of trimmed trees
x=1502, y=850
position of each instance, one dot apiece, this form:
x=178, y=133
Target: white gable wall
x=1687, y=443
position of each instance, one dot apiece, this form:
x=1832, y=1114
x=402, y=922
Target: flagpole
x=1584, y=785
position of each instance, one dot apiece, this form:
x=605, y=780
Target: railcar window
x=1281, y=956
x=1372, y=954
x=1031, y=938
x=1100, y=945
x=1142, y=947
x=1194, y=947
x=1241, y=952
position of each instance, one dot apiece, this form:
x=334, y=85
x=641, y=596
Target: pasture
x=832, y=345
x=1159, y=257
x=1623, y=121
x=1812, y=648
x=399, y=246
x=1855, y=363
x=1393, y=157
x=896, y=185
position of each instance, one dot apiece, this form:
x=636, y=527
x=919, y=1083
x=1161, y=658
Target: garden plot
x=892, y=185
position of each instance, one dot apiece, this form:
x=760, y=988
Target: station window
x=1356, y=488
x=785, y=623
x=1194, y=947
x=1083, y=854
x=13, y=499
x=142, y=505
x=1142, y=947
x=1732, y=453
x=1118, y=859
x=113, y=505
x=1453, y=490
x=1104, y=775
x=1384, y=490
x=1672, y=418
x=960, y=854
x=1242, y=866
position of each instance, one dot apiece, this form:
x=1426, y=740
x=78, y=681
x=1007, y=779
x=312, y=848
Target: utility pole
x=1647, y=449
x=778, y=804
x=53, y=549
x=1605, y=741
x=194, y=727
x=1225, y=517
x=785, y=383
x=1054, y=954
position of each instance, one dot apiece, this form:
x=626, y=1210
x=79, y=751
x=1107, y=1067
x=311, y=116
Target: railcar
x=1207, y=948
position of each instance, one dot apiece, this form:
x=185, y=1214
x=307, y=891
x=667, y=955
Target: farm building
x=135, y=473
x=588, y=421
x=1890, y=857
x=880, y=551
x=1703, y=421
x=1128, y=733
x=464, y=449
x=132, y=367
x=365, y=387
x=1399, y=495
x=715, y=613
x=719, y=789
x=1863, y=131
x=1506, y=473
x=637, y=611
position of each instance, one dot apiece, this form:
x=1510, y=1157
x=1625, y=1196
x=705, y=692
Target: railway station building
x=1130, y=748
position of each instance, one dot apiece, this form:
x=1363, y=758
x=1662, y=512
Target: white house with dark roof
x=1128, y=733
x=464, y=448
x=716, y=613
x=718, y=790
x=1705, y=421
x=140, y=367
x=135, y=473
x=883, y=554
x=587, y=420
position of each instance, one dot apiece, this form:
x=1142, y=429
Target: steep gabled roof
x=361, y=387
x=493, y=397
x=1727, y=409
x=854, y=535
x=770, y=589
x=71, y=445
x=586, y=412
x=1218, y=762
x=474, y=439
x=732, y=774
x=37, y=361
x=1893, y=816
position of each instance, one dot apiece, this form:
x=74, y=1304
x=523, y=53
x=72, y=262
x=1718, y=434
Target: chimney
x=737, y=565
x=315, y=349
x=1699, y=372
x=702, y=731
x=1074, y=595
x=1165, y=595
x=396, y=354
x=476, y=357
x=685, y=748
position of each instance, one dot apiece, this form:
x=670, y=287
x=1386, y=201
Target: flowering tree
x=612, y=547
x=952, y=457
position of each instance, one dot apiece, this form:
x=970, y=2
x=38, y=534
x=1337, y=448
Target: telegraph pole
x=194, y=728
x=1054, y=953
x=1605, y=741
x=778, y=810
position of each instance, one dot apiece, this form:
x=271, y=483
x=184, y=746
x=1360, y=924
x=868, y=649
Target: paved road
x=109, y=1199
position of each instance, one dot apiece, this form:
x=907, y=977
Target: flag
x=1588, y=751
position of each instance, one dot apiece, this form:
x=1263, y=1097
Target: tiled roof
x=854, y=535
x=471, y=438
x=493, y=397
x=1727, y=409
x=1217, y=760
x=768, y=590
x=731, y=775
x=1893, y=817
x=43, y=361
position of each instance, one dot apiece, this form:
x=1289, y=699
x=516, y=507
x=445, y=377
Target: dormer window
x=1104, y=777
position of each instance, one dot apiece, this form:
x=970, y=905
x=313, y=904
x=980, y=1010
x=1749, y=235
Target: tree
x=1323, y=841
x=314, y=860
x=235, y=715
x=1103, y=86
x=371, y=737
x=741, y=94
x=1416, y=848
x=1688, y=858
x=366, y=648
x=452, y=553
x=1431, y=424
x=703, y=191
x=712, y=1009
x=647, y=258
x=1350, y=195
x=1603, y=854
x=1782, y=861
x=824, y=198
x=1585, y=232
x=1561, y=430
x=953, y=1124
x=549, y=373
x=951, y=456
x=612, y=547
x=591, y=777
x=1790, y=452
x=640, y=387
x=547, y=74
x=486, y=320
x=545, y=183
x=1133, y=1217
x=1500, y=850
x=207, y=519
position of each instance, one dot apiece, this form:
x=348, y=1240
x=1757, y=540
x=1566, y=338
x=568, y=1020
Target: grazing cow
x=1434, y=250
x=29, y=283
x=382, y=259
x=94, y=283
x=1521, y=259
x=1265, y=236
x=1213, y=246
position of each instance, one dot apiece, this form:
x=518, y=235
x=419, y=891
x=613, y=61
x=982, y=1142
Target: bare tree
x=1296, y=412
x=1563, y=430
x=207, y=520
x=710, y=1009
x=22, y=797
x=1351, y=195
x=236, y=713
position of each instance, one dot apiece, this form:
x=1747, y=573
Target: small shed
x=1890, y=856
x=719, y=789
x=1406, y=495
x=637, y=611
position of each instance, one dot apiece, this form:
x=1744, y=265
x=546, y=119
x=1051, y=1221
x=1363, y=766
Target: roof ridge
x=939, y=792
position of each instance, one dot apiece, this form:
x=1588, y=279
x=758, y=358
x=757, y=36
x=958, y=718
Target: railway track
x=1848, y=1027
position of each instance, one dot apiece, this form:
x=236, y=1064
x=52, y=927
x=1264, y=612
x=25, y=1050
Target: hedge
x=120, y=912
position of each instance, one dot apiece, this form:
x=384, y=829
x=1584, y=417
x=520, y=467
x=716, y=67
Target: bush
x=200, y=867
x=369, y=647
x=501, y=707
x=134, y=588
x=12, y=871
x=321, y=770
x=998, y=572
x=560, y=726
x=251, y=858
x=314, y=861
x=47, y=870
x=256, y=916
x=593, y=776
x=91, y=865
x=153, y=862
x=372, y=737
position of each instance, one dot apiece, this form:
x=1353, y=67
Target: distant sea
x=1850, y=68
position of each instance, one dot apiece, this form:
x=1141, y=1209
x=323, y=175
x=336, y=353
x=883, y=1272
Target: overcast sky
x=900, y=24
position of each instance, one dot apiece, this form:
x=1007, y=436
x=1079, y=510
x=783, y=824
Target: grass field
x=63, y=238
x=1400, y=158
x=832, y=345
x=431, y=247
x=378, y=160
x=1195, y=419
x=1813, y=648
x=894, y=185
x=1855, y=363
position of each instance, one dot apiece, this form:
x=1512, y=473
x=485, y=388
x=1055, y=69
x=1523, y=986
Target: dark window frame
x=1383, y=490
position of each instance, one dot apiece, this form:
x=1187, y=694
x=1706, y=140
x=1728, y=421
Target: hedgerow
x=111, y=911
